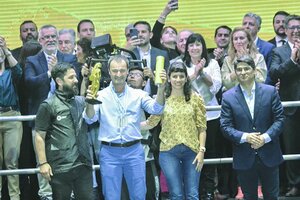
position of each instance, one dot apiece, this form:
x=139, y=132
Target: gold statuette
x=95, y=83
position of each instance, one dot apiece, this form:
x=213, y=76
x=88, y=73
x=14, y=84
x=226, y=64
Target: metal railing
x=97, y=167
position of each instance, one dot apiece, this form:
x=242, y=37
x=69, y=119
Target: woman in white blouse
x=206, y=80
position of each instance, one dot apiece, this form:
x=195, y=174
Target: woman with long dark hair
x=183, y=135
x=205, y=78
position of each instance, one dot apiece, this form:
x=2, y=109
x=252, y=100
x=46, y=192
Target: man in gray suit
x=286, y=67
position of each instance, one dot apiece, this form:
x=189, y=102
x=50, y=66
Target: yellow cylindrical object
x=160, y=60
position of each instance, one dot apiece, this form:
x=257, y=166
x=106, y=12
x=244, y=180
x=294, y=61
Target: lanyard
x=121, y=107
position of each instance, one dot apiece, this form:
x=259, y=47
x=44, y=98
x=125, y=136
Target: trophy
x=95, y=83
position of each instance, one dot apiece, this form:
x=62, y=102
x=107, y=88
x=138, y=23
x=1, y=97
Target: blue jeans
x=182, y=177
x=116, y=162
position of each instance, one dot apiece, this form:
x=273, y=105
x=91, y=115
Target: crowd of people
x=143, y=133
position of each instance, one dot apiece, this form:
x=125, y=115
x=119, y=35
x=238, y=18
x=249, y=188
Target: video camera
x=103, y=48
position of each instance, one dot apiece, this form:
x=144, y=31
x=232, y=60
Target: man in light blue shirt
x=119, y=116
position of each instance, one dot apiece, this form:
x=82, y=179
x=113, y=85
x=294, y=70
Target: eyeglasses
x=294, y=27
x=47, y=37
x=135, y=75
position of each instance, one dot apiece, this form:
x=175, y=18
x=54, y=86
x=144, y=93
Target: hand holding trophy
x=95, y=83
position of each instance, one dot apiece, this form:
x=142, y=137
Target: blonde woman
x=241, y=44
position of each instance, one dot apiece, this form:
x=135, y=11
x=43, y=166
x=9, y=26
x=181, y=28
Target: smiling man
x=222, y=38
x=286, y=67
x=144, y=50
x=39, y=82
x=121, y=153
x=252, y=119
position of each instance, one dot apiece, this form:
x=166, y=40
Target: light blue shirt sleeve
x=266, y=137
x=94, y=118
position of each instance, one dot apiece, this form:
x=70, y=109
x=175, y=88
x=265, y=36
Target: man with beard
x=28, y=31
x=278, y=25
x=144, y=50
x=28, y=183
x=39, y=82
x=222, y=35
x=61, y=138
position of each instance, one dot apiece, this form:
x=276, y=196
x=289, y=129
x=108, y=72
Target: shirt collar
x=252, y=90
x=291, y=44
x=144, y=53
x=278, y=39
x=255, y=41
x=46, y=55
x=118, y=94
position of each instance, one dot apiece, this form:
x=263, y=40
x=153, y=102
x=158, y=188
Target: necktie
x=282, y=42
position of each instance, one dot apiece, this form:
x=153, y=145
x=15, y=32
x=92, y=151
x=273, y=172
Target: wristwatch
x=202, y=149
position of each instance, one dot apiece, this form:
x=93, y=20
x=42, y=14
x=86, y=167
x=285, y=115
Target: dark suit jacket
x=16, y=53
x=268, y=118
x=37, y=80
x=154, y=53
x=265, y=48
x=283, y=68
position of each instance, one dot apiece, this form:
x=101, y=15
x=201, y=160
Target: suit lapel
x=287, y=50
x=137, y=54
x=43, y=61
x=258, y=44
x=241, y=100
x=59, y=56
x=153, y=58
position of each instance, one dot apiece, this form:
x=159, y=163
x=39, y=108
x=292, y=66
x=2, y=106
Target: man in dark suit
x=39, y=82
x=286, y=67
x=28, y=183
x=252, y=119
x=252, y=22
x=144, y=50
x=278, y=25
